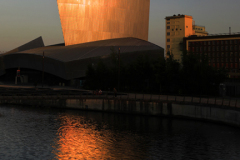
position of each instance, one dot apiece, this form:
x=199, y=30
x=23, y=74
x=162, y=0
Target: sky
x=24, y=20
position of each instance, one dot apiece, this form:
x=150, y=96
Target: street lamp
x=119, y=68
x=42, y=69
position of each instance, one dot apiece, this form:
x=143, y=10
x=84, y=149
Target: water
x=35, y=133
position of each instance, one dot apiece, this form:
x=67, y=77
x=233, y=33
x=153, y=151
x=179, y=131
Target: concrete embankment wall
x=221, y=114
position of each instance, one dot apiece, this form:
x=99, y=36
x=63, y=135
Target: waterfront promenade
x=18, y=92
x=217, y=109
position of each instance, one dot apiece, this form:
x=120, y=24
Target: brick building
x=221, y=51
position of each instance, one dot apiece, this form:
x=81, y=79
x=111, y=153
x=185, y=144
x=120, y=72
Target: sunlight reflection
x=79, y=139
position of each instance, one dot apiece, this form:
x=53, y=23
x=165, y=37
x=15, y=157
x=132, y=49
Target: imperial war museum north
x=92, y=31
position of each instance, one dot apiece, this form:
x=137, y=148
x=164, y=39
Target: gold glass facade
x=92, y=20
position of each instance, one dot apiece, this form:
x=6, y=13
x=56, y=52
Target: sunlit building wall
x=178, y=27
x=200, y=30
x=93, y=20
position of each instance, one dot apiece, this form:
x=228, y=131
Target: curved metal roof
x=93, y=49
x=69, y=62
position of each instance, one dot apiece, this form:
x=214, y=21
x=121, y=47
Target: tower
x=92, y=20
x=177, y=27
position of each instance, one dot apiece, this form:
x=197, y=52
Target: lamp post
x=42, y=69
x=119, y=68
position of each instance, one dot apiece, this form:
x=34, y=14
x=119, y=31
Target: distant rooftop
x=177, y=16
x=220, y=35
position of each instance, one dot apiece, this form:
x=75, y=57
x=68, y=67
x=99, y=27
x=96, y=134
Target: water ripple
x=35, y=133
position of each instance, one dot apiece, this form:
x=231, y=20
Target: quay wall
x=222, y=114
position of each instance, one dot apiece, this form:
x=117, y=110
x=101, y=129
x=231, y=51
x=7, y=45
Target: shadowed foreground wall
x=91, y=20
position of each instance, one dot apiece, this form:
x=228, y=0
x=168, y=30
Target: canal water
x=43, y=133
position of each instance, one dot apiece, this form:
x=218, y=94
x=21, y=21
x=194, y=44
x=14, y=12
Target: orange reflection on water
x=79, y=139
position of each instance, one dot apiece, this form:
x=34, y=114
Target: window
x=226, y=65
x=168, y=33
x=168, y=46
x=222, y=59
x=186, y=26
x=236, y=54
x=197, y=49
x=168, y=40
x=226, y=48
x=217, y=48
x=209, y=42
x=222, y=42
x=168, y=22
x=168, y=27
x=209, y=48
x=213, y=42
x=213, y=48
x=205, y=43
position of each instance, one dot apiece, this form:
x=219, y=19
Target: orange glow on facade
x=92, y=20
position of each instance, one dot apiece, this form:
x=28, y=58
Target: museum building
x=92, y=31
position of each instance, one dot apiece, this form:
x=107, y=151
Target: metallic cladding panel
x=92, y=20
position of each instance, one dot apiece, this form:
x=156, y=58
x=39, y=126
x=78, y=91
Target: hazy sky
x=24, y=20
